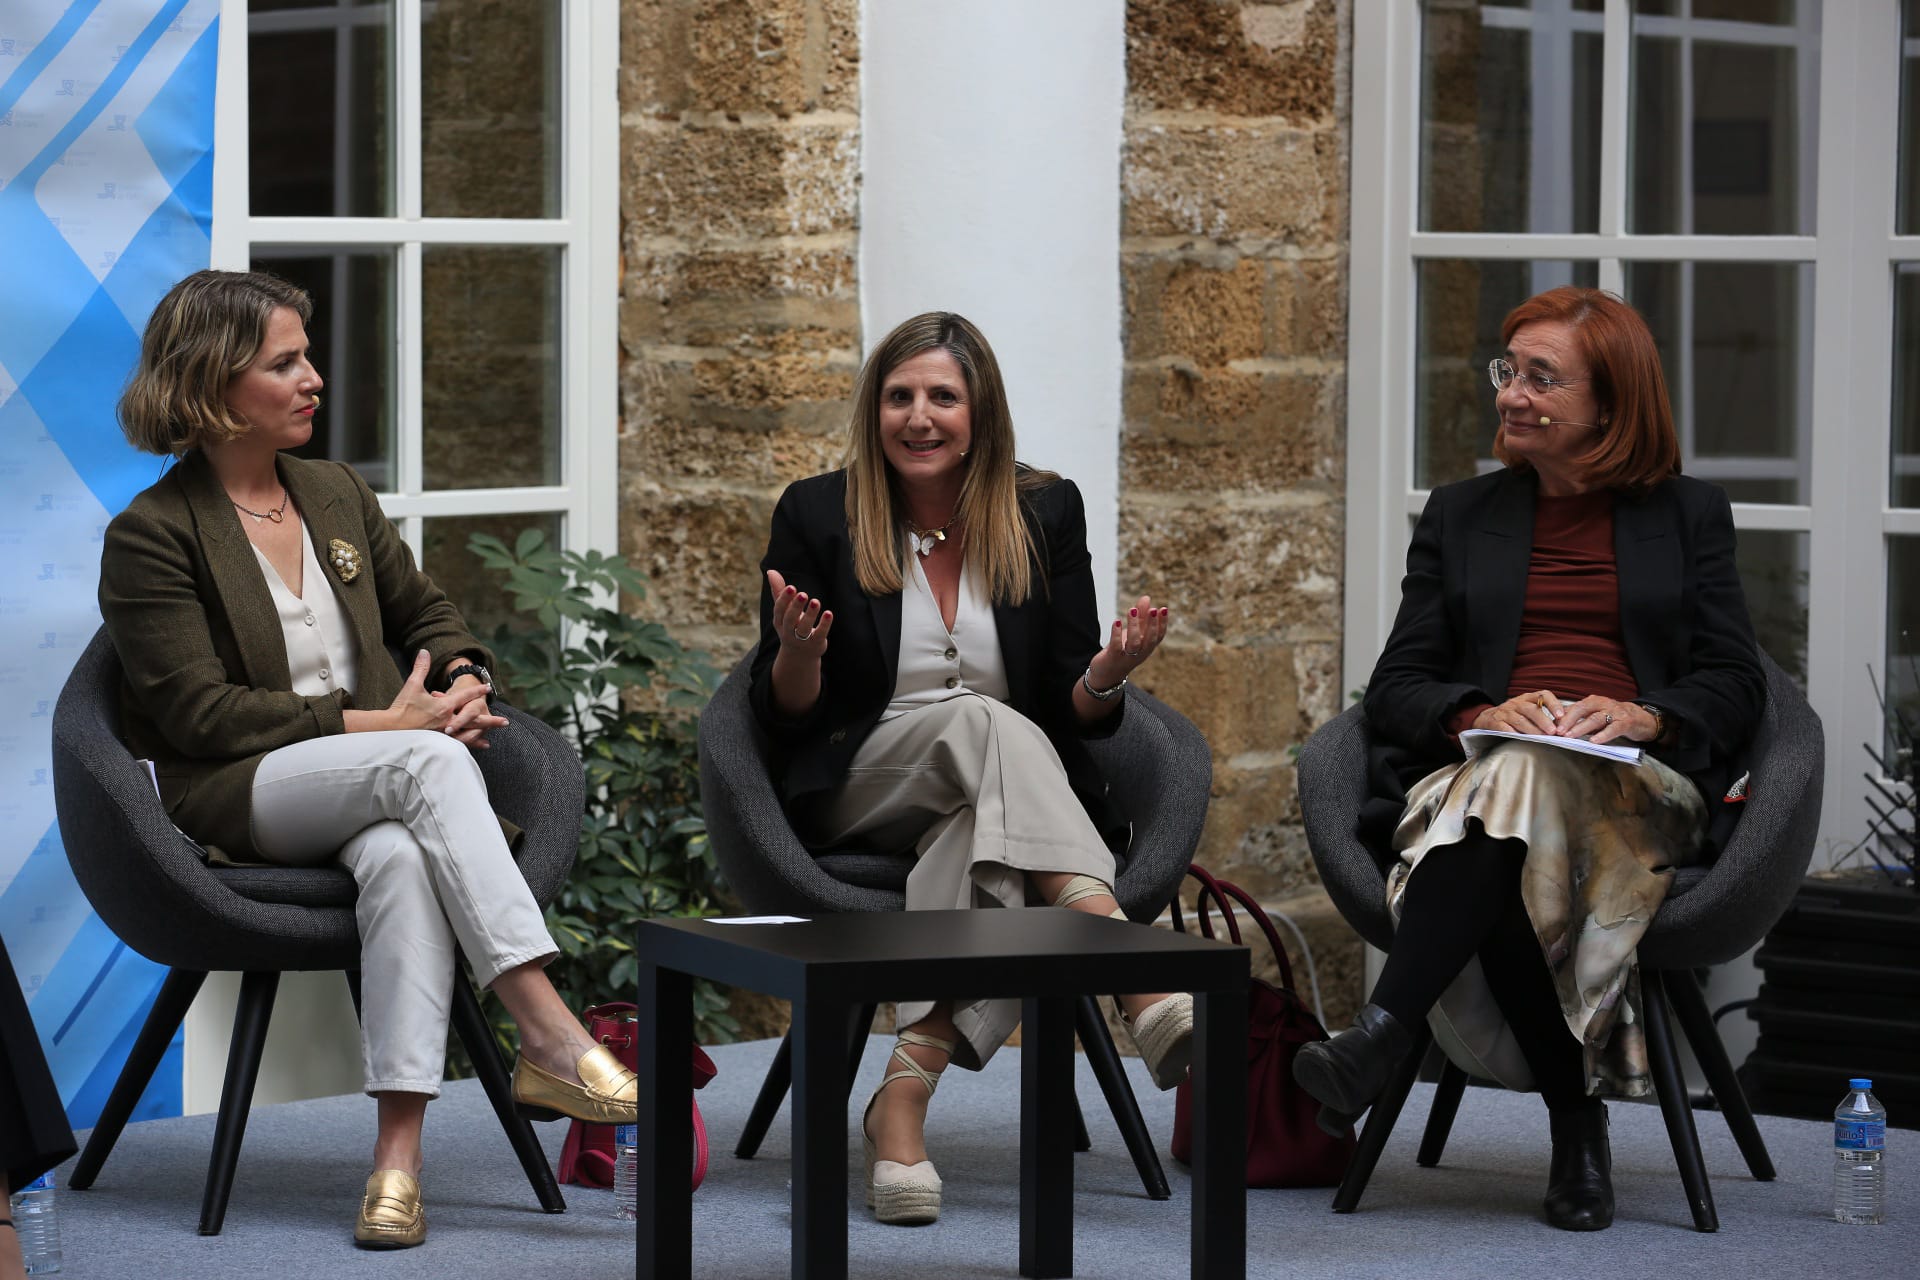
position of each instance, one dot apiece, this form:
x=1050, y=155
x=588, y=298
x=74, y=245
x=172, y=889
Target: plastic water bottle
x=626, y=1160
x=1859, y=1157
x=37, y=1224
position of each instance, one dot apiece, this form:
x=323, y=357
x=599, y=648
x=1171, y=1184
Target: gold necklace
x=276, y=515
x=924, y=540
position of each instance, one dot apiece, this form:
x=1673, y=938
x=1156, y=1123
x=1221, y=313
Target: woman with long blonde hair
x=930, y=666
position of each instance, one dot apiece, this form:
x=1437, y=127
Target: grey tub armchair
x=1158, y=768
x=1712, y=914
x=152, y=888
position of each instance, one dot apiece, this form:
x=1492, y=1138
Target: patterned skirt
x=1603, y=839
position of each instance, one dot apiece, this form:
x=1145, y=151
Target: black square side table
x=828, y=967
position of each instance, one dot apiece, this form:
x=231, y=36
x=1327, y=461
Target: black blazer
x=1046, y=643
x=1683, y=620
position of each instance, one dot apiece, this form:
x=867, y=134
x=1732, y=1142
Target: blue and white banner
x=106, y=198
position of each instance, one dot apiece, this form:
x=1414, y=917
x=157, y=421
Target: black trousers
x=1462, y=901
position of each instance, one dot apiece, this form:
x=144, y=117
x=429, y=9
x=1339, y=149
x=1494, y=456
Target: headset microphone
x=1562, y=422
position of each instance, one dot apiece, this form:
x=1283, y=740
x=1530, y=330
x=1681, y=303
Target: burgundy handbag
x=587, y=1158
x=1285, y=1148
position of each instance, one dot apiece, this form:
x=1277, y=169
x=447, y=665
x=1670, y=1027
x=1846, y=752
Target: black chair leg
x=773, y=1090
x=1664, y=1059
x=470, y=1023
x=1446, y=1104
x=1105, y=1061
x=1082, y=1140
x=1379, y=1127
x=857, y=1033
x=250, y=1019
x=353, y=989
x=1696, y=1022
x=156, y=1033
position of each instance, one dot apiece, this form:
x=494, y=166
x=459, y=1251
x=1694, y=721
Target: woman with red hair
x=1585, y=591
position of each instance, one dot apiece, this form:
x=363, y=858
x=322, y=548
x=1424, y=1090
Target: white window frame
x=586, y=232
x=1853, y=252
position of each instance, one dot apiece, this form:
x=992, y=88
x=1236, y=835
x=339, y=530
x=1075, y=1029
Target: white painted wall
x=990, y=175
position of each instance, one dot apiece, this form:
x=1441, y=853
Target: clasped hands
x=1593, y=718
x=461, y=712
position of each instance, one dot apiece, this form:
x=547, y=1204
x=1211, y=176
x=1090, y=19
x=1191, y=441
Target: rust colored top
x=1570, y=628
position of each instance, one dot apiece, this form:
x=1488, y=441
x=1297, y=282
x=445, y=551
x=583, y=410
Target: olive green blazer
x=207, y=690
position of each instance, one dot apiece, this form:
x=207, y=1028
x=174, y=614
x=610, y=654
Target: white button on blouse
x=937, y=663
x=322, y=654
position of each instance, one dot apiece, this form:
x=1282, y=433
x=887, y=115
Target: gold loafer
x=608, y=1094
x=391, y=1215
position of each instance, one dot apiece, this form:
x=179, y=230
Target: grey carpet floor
x=1475, y=1215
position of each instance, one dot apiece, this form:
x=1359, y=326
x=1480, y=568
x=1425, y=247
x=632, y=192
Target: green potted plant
x=627, y=694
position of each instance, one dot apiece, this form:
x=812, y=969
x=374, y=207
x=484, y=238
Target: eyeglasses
x=1503, y=375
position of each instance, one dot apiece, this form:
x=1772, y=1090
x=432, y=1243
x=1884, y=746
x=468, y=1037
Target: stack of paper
x=1476, y=741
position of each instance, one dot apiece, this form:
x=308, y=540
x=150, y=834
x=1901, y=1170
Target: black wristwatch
x=472, y=669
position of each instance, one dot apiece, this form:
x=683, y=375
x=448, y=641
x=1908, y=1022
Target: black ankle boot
x=1580, y=1185
x=1348, y=1072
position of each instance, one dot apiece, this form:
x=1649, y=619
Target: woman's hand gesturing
x=1131, y=642
x=802, y=626
x=801, y=623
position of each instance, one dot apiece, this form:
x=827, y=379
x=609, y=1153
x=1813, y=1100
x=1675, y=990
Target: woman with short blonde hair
x=258, y=682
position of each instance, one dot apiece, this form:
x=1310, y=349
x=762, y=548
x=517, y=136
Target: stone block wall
x=740, y=315
x=1233, y=270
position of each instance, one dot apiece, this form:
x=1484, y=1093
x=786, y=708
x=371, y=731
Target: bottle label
x=42, y=1183
x=628, y=1135
x=1859, y=1135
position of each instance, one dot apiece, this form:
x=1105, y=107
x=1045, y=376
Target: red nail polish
x=1133, y=613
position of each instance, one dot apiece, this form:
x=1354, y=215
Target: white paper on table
x=756, y=920
x=1476, y=741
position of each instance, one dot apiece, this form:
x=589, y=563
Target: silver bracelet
x=1099, y=695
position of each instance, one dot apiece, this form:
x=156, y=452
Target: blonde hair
x=206, y=331
x=1000, y=547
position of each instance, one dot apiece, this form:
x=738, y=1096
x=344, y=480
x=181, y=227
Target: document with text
x=1476, y=741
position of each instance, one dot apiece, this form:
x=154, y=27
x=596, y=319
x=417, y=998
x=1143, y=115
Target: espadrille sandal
x=1164, y=1036
x=904, y=1194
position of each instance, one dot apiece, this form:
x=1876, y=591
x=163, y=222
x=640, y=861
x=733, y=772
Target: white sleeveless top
x=935, y=663
x=322, y=654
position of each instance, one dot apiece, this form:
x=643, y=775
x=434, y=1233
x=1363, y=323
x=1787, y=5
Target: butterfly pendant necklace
x=925, y=540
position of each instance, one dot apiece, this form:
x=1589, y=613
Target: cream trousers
x=980, y=795
x=407, y=813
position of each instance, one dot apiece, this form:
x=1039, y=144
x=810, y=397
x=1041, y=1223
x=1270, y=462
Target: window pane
x=1773, y=574
x=489, y=109
x=1908, y=220
x=478, y=592
x=1510, y=119
x=1736, y=343
x=1901, y=674
x=319, y=113
x=1461, y=304
x=1723, y=133
x=490, y=366
x=353, y=344
x=1776, y=12
x=1906, y=385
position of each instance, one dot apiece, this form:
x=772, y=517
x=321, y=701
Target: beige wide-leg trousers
x=979, y=794
x=407, y=813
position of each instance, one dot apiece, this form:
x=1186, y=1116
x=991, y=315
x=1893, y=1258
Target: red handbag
x=587, y=1158
x=1285, y=1148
